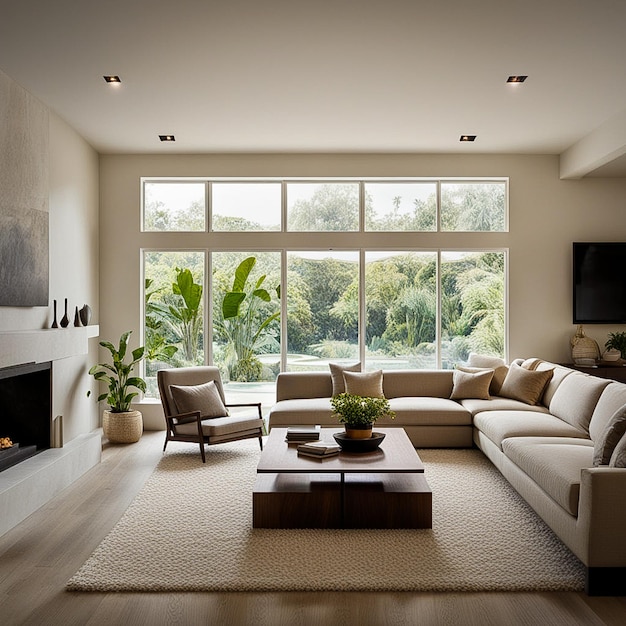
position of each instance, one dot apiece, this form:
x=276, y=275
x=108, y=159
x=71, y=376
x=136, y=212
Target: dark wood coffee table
x=381, y=489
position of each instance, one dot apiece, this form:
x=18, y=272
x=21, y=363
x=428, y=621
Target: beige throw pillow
x=498, y=365
x=204, y=398
x=367, y=384
x=618, y=458
x=525, y=385
x=471, y=384
x=611, y=435
x=336, y=374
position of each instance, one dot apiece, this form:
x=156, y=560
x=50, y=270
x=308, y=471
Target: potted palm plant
x=358, y=413
x=119, y=423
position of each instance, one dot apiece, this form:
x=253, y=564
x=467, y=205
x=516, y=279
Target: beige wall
x=74, y=266
x=72, y=189
x=546, y=215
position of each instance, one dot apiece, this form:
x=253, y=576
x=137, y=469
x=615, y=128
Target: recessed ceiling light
x=516, y=79
x=468, y=138
x=167, y=138
x=112, y=79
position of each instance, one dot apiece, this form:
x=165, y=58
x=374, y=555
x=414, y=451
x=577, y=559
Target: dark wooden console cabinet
x=604, y=369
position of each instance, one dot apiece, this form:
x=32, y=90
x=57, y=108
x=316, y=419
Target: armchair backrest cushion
x=182, y=376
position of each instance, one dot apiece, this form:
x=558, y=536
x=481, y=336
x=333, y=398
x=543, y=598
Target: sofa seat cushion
x=499, y=425
x=417, y=411
x=476, y=405
x=554, y=463
x=302, y=411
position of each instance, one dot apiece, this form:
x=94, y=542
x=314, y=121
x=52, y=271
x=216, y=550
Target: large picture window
x=296, y=274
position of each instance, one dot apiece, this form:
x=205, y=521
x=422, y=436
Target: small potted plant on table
x=617, y=341
x=120, y=424
x=358, y=413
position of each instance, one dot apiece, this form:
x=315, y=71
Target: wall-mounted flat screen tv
x=599, y=283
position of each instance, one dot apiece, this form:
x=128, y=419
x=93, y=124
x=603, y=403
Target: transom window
x=325, y=205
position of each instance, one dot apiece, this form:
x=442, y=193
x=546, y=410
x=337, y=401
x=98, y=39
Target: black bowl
x=359, y=445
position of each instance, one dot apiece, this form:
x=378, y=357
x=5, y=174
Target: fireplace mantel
x=47, y=344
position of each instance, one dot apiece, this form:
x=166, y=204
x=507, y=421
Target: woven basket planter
x=122, y=427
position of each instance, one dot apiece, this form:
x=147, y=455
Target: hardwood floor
x=42, y=553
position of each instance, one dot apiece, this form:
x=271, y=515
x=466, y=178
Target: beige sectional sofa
x=545, y=450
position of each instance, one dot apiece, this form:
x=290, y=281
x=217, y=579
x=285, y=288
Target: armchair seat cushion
x=221, y=426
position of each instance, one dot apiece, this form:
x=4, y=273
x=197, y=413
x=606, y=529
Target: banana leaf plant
x=184, y=317
x=243, y=325
x=117, y=375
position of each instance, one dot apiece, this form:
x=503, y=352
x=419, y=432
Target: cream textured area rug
x=190, y=529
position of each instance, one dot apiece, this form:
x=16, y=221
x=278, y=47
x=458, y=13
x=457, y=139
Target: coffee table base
x=317, y=501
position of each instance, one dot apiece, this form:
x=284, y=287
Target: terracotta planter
x=122, y=427
x=359, y=431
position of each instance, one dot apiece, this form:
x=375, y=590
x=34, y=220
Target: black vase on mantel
x=76, y=317
x=65, y=320
x=55, y=324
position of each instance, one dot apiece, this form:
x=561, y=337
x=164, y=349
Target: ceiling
x=400, y=76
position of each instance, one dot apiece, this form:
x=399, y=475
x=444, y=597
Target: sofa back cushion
x=295, y=385
x=612, y=398
x=575, y=399
x=558, y=375
x=423, y=383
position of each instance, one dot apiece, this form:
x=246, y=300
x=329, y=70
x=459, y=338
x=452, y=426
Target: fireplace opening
x=25, y=411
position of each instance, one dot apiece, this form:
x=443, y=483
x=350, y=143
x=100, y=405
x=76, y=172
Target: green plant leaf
x=231, y=303
x=242, y=272
x=263, y=294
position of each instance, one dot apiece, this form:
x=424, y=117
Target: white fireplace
x=30, y=484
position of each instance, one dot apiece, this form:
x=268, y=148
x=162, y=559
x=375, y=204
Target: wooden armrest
x=184, y=418
x=239, y=404
x=245, y=404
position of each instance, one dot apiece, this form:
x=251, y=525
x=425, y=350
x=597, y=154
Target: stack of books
x=319, y=449
x=303, y=433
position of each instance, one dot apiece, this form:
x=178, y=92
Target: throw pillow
x=531, y=364
x=204, y=398
x=610, y=437
x=525, y=385
x=368, y=384
x=495, y=363
x=336, y=374
x=471, y=384
x=618, y=458
x=499, y=374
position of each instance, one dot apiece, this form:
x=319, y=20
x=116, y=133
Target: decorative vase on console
x=585, y=351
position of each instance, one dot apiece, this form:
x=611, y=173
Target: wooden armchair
x=195, y=409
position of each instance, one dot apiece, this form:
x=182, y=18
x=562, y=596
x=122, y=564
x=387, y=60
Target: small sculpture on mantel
x=85, y=315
